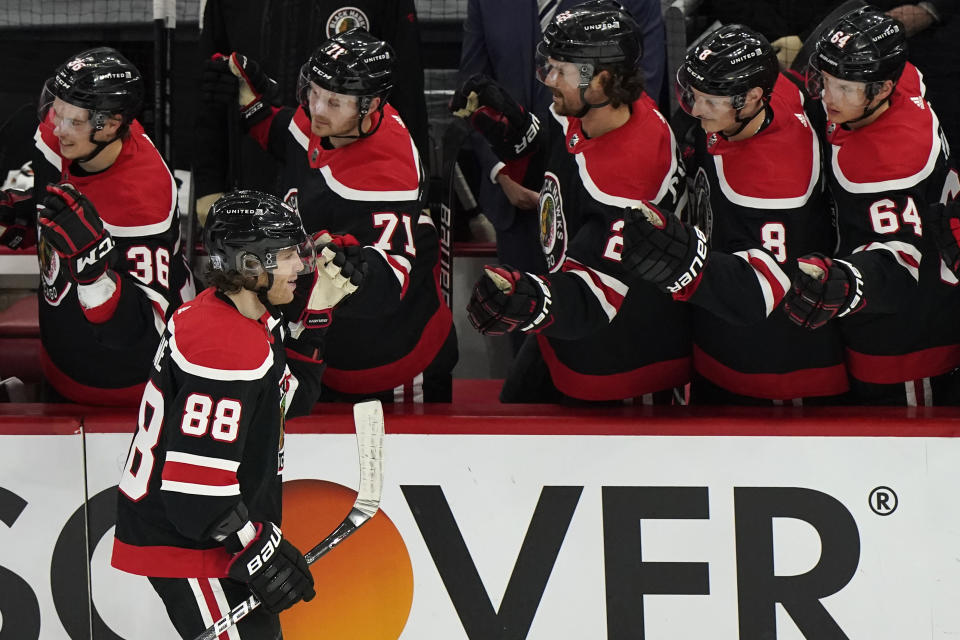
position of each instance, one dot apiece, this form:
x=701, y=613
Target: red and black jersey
x=610, y=339
x=387, y=332
x=882, y=177
x=210, y=435
x=101, y=355
x=761, y=203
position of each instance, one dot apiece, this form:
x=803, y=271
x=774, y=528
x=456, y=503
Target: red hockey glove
x=506, y=300
x=18, y=214
x=256, y=90
x=823, y=289
x=274, y=570
x=71, y=225
x=943, y=222
x=663, y=250
x=511, y=131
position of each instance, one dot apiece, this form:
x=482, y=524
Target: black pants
x=705, y=392
x=194, y=604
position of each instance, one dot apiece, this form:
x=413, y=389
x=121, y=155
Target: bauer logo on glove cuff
x=529, y=137
x=856, y=296
x=256, y=563
x=696, y=265
x=544, y=314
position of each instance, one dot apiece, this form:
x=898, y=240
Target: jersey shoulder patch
x=896, y=151
x=211, y=339
x=635, y=162
x=382, y=167
x=778, y=168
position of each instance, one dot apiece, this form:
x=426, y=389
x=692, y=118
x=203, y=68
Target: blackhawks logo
x=553, y=224
x=346, y=18
x=701, y=213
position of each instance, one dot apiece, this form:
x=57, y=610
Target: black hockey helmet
x=352, y=63
x=598, y=32
x=245, y=230
x=100, y=80
x=727, y=62
x=864, y=45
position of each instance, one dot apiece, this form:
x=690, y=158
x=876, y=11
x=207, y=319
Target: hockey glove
x=663, y=250
x=256, y=90
x=18, y=212
x=511, y=131
x=823, y=289
x=71, y=225
x=274, y=570
x=506, y=300
x=340, y=271
x=944, y=224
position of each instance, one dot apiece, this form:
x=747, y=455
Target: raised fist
x=663, y=250
x=511, y=131
x=506, y=300
x=822, y=290
x=70, y=223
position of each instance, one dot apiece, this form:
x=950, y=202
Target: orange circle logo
x=368, y=572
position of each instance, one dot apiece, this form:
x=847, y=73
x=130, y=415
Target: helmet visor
x=62, y=114
x=813, y=79
x=699, y=104
x=290, y=260
x=553, y=72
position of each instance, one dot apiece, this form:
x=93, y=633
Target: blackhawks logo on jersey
x=53, y=279
x=553, y=224
x=346, y=18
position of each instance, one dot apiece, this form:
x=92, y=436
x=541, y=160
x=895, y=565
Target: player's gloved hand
x=511, y=131
x=256, y=90
x=943, y=223
x=663, y=250
x=823, y=289
x=340, y=271
x=506, y=300
x=71, y=225
x=218, y=85
x=18, y=213
x=274, y=569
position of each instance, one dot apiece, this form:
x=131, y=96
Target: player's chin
x=282, y=295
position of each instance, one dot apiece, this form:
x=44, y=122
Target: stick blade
x=368, y=420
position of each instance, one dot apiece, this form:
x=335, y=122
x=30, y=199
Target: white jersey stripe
x=898, y=250
x=202, y=461
x=770, y=298
x=200, y=489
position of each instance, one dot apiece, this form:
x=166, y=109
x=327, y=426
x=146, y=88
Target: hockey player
x=200, y=498
x=595, y=336
x=351, y=168
x=757, y=197
x=896, y=302
x=109, y=233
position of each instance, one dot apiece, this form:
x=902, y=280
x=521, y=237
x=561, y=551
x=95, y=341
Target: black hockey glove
x=18, y=214
x=943, y=222
x=511, y=131
x=218, y=85
x=663, y=250
x=71, y=225
x=823, y=289
x=274, y=570
x=256, y=91
x=340, y=271
x=506, y=300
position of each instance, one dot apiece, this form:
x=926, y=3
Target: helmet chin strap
x=869, y=111
x=745, y=121
x=360, y=132
x=588, y=105
x=100, y=146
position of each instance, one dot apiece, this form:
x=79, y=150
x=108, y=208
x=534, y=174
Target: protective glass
x=705, y=105
x=63, y=114
x=553, y=72
x=295, y=259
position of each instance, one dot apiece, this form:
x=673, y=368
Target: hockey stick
x=368, y=419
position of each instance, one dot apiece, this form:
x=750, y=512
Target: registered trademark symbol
x=883, y=501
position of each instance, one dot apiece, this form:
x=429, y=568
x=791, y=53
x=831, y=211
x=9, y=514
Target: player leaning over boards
x=200, y=497
x=896, y=303
x=593, y=335
x=350, y=167
x=757, y=197
x=109, y=247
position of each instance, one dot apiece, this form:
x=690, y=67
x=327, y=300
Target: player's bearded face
x=332, y=114
x=289, y=266
x=563, y=79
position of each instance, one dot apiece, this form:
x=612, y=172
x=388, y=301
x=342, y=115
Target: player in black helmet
x=886, y=163
x=351, y=168
x=605, y=147
x=199, y=505
x=109, y=233
x=757, y=203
